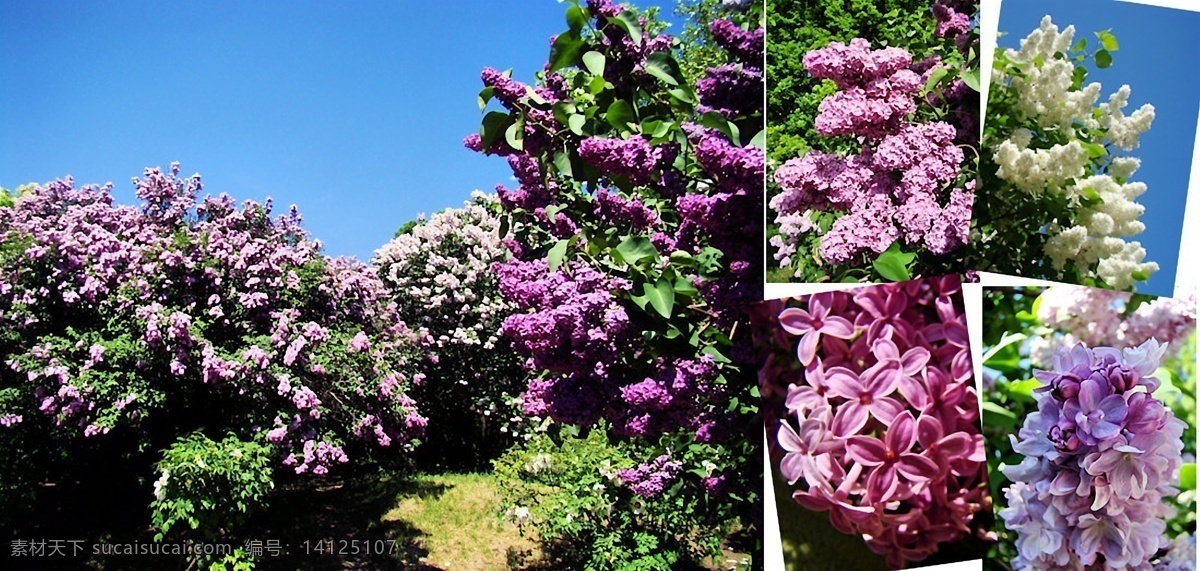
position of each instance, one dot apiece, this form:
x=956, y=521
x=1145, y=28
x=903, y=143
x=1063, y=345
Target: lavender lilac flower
x=870, y=397
x=1100, y=454
x=115, y=314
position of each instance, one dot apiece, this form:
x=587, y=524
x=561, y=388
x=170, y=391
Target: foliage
x=439, y=273
x=1023, y=326
x=208, y=485
x=1062, y=203
x=698, y=49
x=136, y=329
x=583, y=491
x=879, y=156
x=631, y=264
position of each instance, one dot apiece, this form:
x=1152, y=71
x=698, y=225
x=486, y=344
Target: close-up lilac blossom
x=872, y=415
x=1100, y=454
x=1089, y=423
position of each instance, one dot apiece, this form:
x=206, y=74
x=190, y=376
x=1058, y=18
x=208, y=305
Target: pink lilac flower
x=903, y=185
x=895, y=466
x=887, y=440
x=811, y=323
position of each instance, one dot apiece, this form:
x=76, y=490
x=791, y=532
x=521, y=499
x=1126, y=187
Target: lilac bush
x=870, y=399
x=639, y=193
x=439, y=273
x=1100, y=454
x=133, y=327
x=900, y=186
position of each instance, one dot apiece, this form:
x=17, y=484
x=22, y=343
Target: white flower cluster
x=791, y=225
x=444, y=267
x=1103, y=207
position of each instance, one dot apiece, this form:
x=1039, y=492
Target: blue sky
x=353, y=111
x=1158, y=51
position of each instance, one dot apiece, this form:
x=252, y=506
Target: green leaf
x=1187, y=476
x=935, y=78
x=997, y=416
x=683, y=94
x=1080, y=45
x=1007, y=340
x=1108, y=40
x=576, y=18
x=557, y=252
x=635, y=249
x=486, y=95
x=494, y=125
x=620, y=114
x=661, y=296
x=1140, y=275
x=597, y=85
x=759, y=140
x=515, y=135
x=562, y=161
x=715, y=120
x=663, y=66
x=892, y=264
x=566, y=50
x=1078, y=77
x=1094, y=150
x=1023, y=390
x=575, y=123
x=685, y=287
x=1103, y=59
x=594, y=62
x=628, y=21
x=971, y=78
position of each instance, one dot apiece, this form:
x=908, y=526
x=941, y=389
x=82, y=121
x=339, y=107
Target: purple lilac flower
x=193, y=279
x=651, y=479
x=743, y=45
x=1100, y=454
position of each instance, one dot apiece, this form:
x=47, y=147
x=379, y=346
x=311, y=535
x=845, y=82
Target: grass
x=457, y=525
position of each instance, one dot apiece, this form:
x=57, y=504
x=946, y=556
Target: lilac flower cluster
x=730, y=90
x=184, y=296
x=651, y=479
x=1094, y=317
x=633, y=157
x=902, y=185
x=742, y=45
x=615, y=210
x=881, y=428
x=954, y=19
x=1100, y=454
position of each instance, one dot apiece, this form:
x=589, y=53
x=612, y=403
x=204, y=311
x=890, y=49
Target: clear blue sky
x=1158, y=51
x=353, y=111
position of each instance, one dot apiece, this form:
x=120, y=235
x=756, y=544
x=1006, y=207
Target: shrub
x=633, y=253
x=439, y=273
x=129, y=328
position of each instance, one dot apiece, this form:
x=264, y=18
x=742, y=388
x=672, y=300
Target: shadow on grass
x=331, y=524
x=338, y=525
